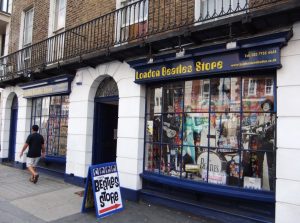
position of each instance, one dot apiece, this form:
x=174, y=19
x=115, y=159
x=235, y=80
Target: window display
x=218, y=130
x=51, y=114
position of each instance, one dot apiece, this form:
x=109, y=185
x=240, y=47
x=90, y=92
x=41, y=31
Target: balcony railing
x=4, y=6
x=139, y=20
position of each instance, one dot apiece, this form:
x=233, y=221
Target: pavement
x=52, y=200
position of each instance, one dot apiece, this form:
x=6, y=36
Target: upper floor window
x=28, y=24
x=136, y=12
x=207, y=9
x=60, y=14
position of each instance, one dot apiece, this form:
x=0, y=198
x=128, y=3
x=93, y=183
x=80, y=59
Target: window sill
x=56, y=159
x=223, y=190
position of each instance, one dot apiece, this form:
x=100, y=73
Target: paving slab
x=52, y=205
x=52, y=200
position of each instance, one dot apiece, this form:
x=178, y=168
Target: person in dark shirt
x=35, y=141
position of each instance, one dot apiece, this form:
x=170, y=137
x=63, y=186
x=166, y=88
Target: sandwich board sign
x=102, y=190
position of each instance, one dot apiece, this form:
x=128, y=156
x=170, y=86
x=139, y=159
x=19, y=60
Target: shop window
x=226, y=137
x=51, y=114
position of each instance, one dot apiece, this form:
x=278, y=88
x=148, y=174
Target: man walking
x=35, y=141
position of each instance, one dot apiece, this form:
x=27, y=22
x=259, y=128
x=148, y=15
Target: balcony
x=144, y=27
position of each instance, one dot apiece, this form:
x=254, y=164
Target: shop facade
x=212, y=130
x=211, y=127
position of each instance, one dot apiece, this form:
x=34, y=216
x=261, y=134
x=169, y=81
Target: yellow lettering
x=207, y=66
x=220, y=65
x=163, y=71
x=198, y=66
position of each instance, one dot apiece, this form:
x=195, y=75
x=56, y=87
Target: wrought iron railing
x=132, y=22
x=4, y=6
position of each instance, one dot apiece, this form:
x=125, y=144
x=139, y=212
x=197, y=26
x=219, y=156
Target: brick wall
x=17, y=8
x=81, y=11
x=78, y=12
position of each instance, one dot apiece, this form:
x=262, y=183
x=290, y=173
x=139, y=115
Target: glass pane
x=44, y=125
x=170, y=161
x=45, y=106
x=37, y=121
x=53, y=145
x=53, y=127
x=153, y=128
x=196, y=95
x=152, y=157
x=33, y=107
x=172, y=128
x=225, y=127
x=194, y=169
x=225, y=94
x=65, y=106
x=258, y=170
x=217, y=166
x=44, y=128
x=38, y=107
x=258, y=131
x=64, y=126
x=233, y=167
x=195, y=131
x=154, y=100
x=55, y=106
x=258, y=94
x=173, y=98
x=62, y=146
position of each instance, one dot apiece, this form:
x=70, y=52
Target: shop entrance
x=105, y=122
x=13, y=129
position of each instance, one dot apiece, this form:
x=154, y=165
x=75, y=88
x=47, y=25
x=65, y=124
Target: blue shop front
x=210, y=128
x=50, y=111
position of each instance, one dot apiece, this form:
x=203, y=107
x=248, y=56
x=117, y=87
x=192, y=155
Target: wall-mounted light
x=150, y=60
x=180, y=53
x=150, y=56
x=79, y=78
x=231, y=45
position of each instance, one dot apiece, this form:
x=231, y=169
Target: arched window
x=107, y=88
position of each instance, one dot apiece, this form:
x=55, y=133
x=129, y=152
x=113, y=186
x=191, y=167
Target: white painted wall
x=130, y=122
x=288, y=133
x=23, y=123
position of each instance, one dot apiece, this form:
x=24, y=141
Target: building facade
x=194, y=99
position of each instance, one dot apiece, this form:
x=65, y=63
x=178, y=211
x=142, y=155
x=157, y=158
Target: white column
x=288, y=133
x=23, y=121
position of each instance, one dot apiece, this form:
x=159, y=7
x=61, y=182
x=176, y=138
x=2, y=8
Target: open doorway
x=105, y=122
x=13, y=130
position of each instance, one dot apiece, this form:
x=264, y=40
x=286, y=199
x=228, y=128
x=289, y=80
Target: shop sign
x=46, y=90
x=103, y=182
x=242, y=60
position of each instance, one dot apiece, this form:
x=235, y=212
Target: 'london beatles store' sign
x=245, y=59
x=103, y=179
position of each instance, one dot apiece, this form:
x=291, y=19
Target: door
x=13, y=130
x=105, y=132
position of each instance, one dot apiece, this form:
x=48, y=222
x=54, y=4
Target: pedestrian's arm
x=23, y=149
x=43, y=150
